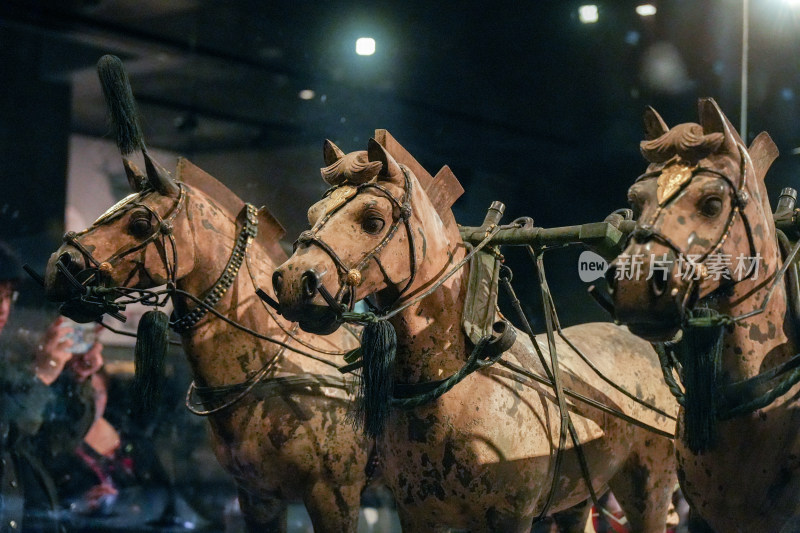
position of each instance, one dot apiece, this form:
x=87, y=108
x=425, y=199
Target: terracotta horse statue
x=710, y=262
x=278, y=418
x=481, y=456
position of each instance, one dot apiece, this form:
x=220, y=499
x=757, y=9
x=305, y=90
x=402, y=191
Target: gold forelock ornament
x=672, y=178
x=339, y=196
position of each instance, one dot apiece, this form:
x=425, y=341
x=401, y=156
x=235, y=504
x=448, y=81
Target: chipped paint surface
x=480, y=457
x=296, y=446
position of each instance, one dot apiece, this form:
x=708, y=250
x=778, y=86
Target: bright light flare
x=365, y=46
x=306, y=94
x=646, y=10
x=588, y=14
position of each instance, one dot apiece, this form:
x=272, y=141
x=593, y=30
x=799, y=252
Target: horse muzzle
x=298, y=293
x=79, y=288
x=65, y=264
x=650, y=299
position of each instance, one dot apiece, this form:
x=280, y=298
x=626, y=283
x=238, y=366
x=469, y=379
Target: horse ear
x=158, y=177
x=377, y=153
x=331, y=153
x=713, y=120
x=763, y=153
x=136, y=179
x=654, y=125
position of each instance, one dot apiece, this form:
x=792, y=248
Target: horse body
x=481, y=456
x=748, y=479
x=279, y=444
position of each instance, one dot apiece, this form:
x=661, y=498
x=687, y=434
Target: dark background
x=524, y=102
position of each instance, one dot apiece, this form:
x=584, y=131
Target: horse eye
x=140, y=226
x=373, y=224
x=711, y=206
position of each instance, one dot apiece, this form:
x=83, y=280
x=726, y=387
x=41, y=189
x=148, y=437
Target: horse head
x=133, y=244
x=367, y=238
x=165, y=230
x=702, y=213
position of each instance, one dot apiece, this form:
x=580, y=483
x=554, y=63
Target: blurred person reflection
x=47, y=407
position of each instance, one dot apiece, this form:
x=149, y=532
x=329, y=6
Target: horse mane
x=354, y=167
x=270, y=230
x=443, y=189
x=686, y=141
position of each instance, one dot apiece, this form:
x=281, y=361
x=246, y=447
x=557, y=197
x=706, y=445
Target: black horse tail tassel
x=701, y=349
x=379, y=348
x=149, y=357
x=120, y=103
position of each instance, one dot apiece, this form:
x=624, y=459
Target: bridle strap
x=228, y=276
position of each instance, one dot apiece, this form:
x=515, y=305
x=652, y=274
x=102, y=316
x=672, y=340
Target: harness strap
x=228, y=276
x=428, y=391
x=263, y=388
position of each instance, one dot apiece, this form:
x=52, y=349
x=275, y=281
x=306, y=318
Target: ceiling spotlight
x=646, y=10
x=306, y=94
x=588, y=14
x=365, y=46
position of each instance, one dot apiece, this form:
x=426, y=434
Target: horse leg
x=645, y=483
x=573, y=520
x=333, y=509
x=263, y=515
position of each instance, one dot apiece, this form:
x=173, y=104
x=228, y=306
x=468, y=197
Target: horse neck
x=218, y=352
x=767, y=339
x=431, y=343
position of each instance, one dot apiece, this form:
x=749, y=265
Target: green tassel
x=121, y=105
x=379, y=349
x=149, y=357
x=701, y=349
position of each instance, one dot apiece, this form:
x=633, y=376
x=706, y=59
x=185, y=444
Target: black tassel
x=379, y=348
x=701, y=349
x=149, y=357
x=121, y=105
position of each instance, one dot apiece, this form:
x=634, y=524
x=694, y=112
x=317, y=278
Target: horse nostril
x=72, y=261
x=65, y=259
x=310, y=283
x=277, y=282
x=658, y=283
